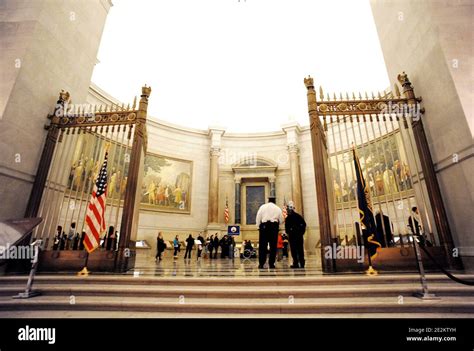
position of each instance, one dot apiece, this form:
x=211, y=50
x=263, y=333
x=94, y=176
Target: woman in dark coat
x=160, y=246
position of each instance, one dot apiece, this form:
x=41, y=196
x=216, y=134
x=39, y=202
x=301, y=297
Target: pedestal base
x=27, y=294
x=426, y=296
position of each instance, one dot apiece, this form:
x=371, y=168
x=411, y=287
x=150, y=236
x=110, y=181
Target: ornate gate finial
x=308, y=82
x=403, y=79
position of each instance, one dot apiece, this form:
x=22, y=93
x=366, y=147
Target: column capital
x=292, y=130
x=272, y=179
x=215, y=151
x=237, y=180
x=293, y=148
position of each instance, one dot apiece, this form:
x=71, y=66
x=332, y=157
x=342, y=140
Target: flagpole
x=84, y=271
x=370, y=270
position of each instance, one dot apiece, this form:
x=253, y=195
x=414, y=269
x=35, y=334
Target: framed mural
x=86, y=161
x=166, y=184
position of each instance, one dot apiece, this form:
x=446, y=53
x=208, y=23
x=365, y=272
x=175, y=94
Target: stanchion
x=371, y=270
x=29, y=292
x=424, y=294
x=84, y=271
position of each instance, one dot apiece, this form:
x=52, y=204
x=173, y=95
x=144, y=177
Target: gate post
x=320, y=160
x=432, y=186
x=44, y=165
x=125, y=258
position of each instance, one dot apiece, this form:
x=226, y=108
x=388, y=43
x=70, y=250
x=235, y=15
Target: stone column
x=295, y=177
x=292, y=130
x=272, y=186
x=215, y=135
x=238, y=182
x=214, y=185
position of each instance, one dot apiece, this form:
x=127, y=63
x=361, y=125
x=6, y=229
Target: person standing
x=57, y=238
x=189, y=246
x=70, y=236
x=269, y=217
x=279, y=247
x=200, y=246
x=231, y=247
x=176, y=245
x=160, y=246
x=295, y=227
x=285, y=245
x=216, y=245
x=416, y=226
x=210, y=246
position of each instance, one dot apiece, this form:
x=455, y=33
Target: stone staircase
x=355, y=295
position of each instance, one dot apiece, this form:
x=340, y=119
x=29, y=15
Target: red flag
x=95, y=215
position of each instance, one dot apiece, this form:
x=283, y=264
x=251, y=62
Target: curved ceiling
x=239, y=64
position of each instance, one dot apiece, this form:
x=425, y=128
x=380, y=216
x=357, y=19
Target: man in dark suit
x=416, y=226
x=295, y=227
x=384, y=230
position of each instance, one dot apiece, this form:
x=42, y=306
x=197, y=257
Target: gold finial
x=146, y=91
x=373, y=96
x=128, y=107
x=366, y=96
x=106, y=108
x=328, y=97
x=340, y=96
x=64, y=96
x=353, y=96
x=308, y=82
x=321, y=94
x=396, y=90
x=123, y=106
x=378, y=95
x=347, y=95
x=100, y=108
x=360, y=96
x=335, y=98
x=403, y=79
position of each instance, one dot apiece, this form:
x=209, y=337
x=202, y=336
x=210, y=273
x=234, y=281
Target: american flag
x=284, y=211
x=226, y=212
x=95, y=215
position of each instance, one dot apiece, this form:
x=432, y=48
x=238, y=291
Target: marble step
x=235, y=291
x=216, y=306
x=268, y=280
x=157, y=314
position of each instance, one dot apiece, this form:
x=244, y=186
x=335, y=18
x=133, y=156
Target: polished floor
x=221, y=267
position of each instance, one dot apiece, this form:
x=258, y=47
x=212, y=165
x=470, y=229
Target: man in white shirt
x=269, y=217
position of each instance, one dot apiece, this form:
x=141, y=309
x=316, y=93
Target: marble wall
x=432, y=41
x=46, y=46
